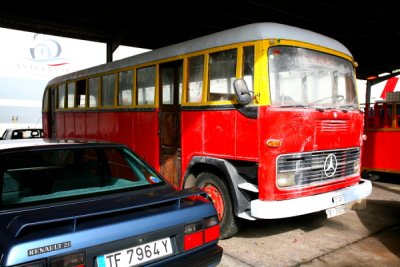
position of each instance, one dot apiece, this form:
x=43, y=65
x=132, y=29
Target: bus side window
x=107, y=90
x=61, y=96
x=195, y=79
x=146, y=78
x=221, y=74
x=71, y=94
x=80, y=97
x=125, y=87
x=248, y=66
x=93, y=92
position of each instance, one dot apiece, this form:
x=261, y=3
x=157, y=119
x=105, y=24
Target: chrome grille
x=309, y=167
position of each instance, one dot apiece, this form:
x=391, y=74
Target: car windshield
x=307, y=78
x=51, y=175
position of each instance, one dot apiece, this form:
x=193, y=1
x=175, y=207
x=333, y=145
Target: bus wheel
x=216, y=189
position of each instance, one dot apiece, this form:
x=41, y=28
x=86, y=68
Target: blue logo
x=155, y=179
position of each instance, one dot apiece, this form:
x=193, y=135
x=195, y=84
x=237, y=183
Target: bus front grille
x=319, y=166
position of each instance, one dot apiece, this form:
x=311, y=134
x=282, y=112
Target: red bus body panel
x=138, y=130
x=304, y=130
x=380, y=151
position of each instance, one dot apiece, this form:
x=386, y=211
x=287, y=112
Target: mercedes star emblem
x=330, y=165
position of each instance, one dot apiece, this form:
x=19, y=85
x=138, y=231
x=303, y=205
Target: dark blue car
x=69, y=203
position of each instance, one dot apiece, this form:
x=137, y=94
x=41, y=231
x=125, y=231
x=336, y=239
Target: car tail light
x=69, y=260
x=41, y=263
x=211, y=231
x=200, y=233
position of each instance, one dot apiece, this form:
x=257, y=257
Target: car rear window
x=52, y=175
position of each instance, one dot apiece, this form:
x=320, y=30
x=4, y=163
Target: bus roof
x=250, y=32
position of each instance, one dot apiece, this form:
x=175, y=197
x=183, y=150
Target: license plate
x=136, y=255
x=336, y=211
x=338, y=200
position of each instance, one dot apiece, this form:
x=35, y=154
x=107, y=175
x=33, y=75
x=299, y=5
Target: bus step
x=249, y=187
x=246, y=215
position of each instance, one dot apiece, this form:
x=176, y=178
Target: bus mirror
x=243, y=94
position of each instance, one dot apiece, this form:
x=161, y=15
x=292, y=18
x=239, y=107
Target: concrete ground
x=370, y=237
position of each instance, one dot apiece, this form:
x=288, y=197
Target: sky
x=29, y=60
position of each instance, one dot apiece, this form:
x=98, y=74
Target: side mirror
x=243, y=94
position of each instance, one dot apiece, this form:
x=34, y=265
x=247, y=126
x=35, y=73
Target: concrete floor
x=370, y=237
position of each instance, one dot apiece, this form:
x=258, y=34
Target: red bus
x=382, y=128
x=264, y=117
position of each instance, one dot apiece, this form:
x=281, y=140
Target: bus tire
x=218, y=192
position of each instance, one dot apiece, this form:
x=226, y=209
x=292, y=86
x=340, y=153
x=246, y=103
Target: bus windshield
x=301, y=77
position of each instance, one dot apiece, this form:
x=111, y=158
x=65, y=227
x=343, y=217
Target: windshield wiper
x=293, y=106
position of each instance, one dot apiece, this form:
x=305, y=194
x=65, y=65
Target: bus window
x=125, y=87
x=167, y=86
x=45, y=105
x=248, y=66
x=195, y=79
x=107, y=90
x=304, y=77
x=80, y=94
x=71, y=93
x=222, y=73
x=93, y=92
x=61, y=96
x=146, y=85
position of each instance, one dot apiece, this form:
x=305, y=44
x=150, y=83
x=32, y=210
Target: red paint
x=217, y=199
x=383, y=138
x=304, y=130
x=389, y=87
x=380, y=151
x=228, y=134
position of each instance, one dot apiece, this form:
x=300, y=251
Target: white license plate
x=338, y=200
x=336, y=211
x=136, y=255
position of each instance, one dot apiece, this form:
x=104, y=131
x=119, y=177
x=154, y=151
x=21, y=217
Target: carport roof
x=371, y=33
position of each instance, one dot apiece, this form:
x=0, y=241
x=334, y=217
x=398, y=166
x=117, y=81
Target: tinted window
x=60, y=174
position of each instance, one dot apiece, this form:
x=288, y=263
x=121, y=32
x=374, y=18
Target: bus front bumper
x=304, y=205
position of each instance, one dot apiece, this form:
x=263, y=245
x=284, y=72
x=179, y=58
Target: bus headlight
x=285, y=179
x=356, y=166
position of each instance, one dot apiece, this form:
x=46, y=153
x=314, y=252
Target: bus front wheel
x=218, y=192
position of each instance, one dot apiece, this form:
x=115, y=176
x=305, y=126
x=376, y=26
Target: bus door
x=169, y=120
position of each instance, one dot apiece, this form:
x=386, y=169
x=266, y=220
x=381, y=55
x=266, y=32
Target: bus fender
x=233, y=178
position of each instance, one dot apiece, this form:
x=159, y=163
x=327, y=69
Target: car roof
x=40, y=143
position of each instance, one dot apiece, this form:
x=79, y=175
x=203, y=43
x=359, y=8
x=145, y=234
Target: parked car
x=74, y=203
x=22, y=133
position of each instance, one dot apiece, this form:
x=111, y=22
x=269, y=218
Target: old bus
x=263, y=117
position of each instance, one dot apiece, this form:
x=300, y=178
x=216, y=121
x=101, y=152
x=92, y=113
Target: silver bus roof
x=250, y=32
